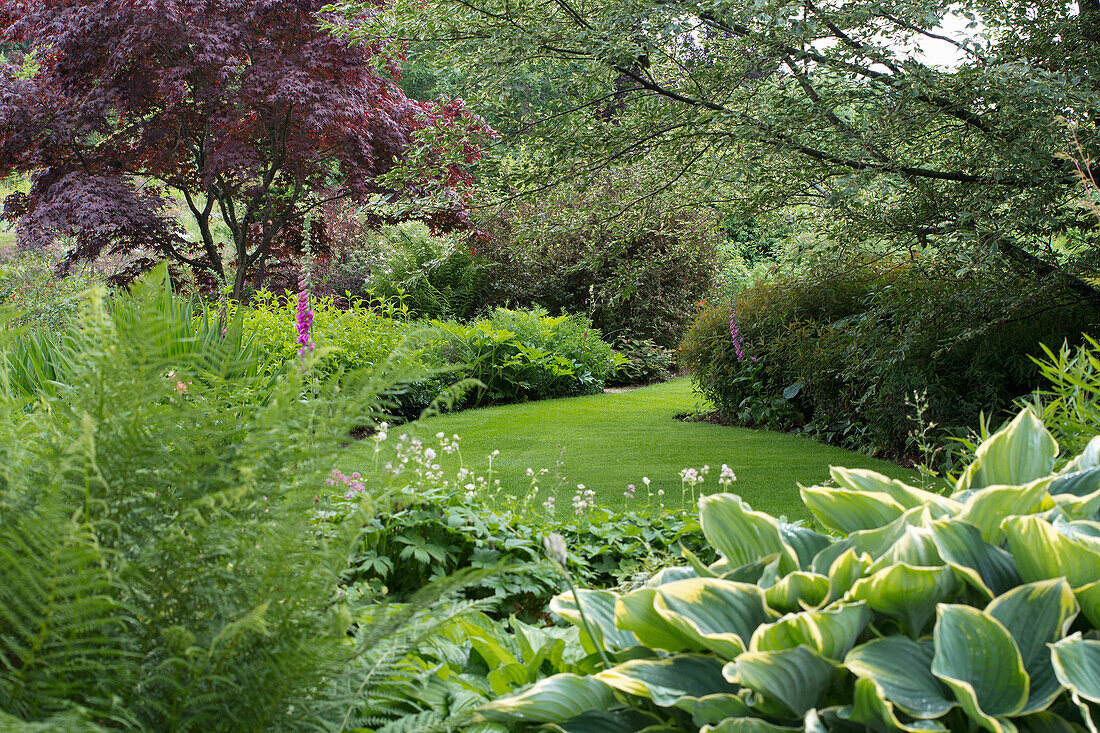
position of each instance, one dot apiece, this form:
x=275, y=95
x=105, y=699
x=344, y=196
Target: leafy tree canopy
x=822, y=108
x=247, y=110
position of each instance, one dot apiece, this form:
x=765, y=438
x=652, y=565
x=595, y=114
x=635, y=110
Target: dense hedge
x=841, y=348
x=515, y=355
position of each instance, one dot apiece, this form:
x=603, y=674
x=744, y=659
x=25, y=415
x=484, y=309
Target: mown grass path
x=610, y=440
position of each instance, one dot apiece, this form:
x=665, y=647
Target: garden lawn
x=610, y=440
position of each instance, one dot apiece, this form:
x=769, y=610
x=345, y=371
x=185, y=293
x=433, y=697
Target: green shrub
x=643, y=361
x=916, y=611
x=521, y=355
x=30, y=287
x=636, y=276
x=433, y=276
x=349, y=338
x=839, y=348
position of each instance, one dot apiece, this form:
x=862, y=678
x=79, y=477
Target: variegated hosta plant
x=977, y=611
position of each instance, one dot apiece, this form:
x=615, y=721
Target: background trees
x=822, y=109
x=243, y=112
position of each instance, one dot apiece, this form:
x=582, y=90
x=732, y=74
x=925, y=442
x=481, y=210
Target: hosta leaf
x=907, y=593
x=598, y=721
x=902, y=669
x=747, y=573
x=669, y=681
x=742, y=535
x=1077, y=666
x=1076, y=483
x=798, y=590
x=861, y=479
x=1036, y=615
x=1042, y=551
x=552, y=700
x=845, y=571
x=874, y=542
x=985, y=566
x=1088, y=458
x=1019, y=453
x=748, y=725
x=599, y=607
x=670, y=574
x=718, y=615
x=915, y=546
x=1089, y=598
x=805, y=542
x=634, y=612
x=713, y=709
x=831, y=633
x=1079, y=507
x=794, y=678
x=871, y=708
x=1046, y=722
x=977, y=658
x=851, y=511
x=986, y=509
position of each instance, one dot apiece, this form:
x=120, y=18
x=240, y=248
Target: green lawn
x=610, y=440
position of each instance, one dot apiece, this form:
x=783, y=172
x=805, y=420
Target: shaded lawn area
x=610, y=440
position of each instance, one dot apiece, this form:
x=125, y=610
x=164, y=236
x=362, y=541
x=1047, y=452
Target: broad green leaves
x=819, y=633
x=977, y=658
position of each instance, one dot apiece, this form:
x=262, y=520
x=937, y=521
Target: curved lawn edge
x=610, y=440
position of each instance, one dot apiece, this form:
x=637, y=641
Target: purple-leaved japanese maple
x=247, y=108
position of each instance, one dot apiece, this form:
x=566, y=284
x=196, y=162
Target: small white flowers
x=727, y=477
x=583, y=500
x=554, y=544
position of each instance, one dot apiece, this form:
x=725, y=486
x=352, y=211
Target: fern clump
x=162, y=566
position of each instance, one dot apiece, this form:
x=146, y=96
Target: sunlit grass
x=608, y=441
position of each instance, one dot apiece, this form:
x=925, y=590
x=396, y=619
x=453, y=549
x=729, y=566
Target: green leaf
x=977, y=658
x=861, y=479
x=794, y=678
x=987, y=508
x=1019, y=453
x=677, y=679
x=718, y=615
x=986, y=567
x=1076, y=483
x=805, y=542
x=1077, y=666
x=831, y=633
x=798, y=590
x=552, y=700
x=907, y=593
x=1037, y=614
x=845, y=571
x=598, y=721
x=915, y=546
x=902, y=669
x=747, y=725
x=1044, y=550
x=874, y=542
x=713, y=709
x=1088, y=596
x=599, y=607
x=742, y=535
x=634, y=612
x=871, y=708
x=851, y=511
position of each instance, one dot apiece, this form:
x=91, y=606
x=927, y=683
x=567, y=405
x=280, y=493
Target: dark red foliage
x=248, y=107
